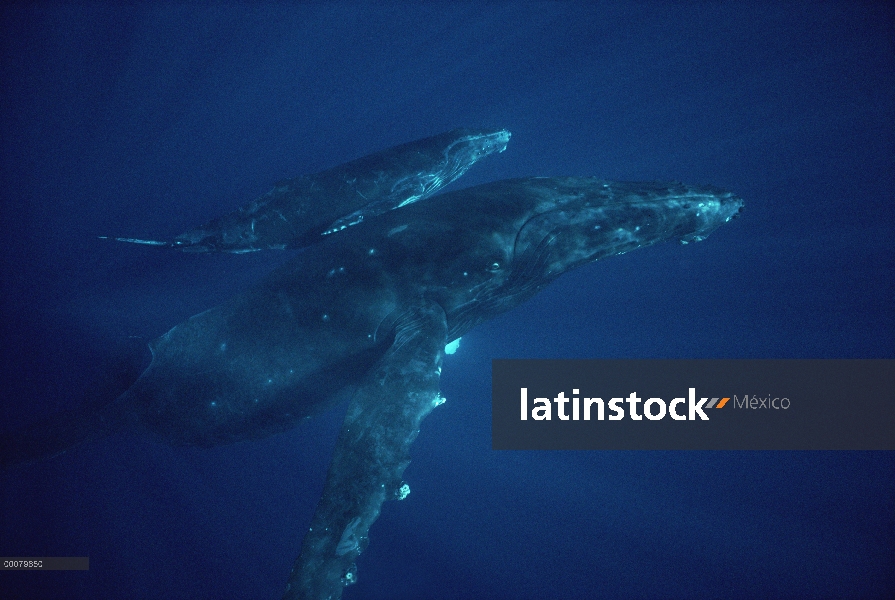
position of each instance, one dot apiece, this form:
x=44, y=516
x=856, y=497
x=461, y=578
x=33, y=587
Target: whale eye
x=495, y=266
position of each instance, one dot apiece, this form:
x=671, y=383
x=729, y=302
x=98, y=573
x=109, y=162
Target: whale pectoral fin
x=372, y=452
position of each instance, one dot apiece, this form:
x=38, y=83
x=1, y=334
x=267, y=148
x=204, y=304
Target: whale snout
x=709, y=212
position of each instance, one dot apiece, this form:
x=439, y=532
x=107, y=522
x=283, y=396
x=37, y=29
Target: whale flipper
x=372, y=452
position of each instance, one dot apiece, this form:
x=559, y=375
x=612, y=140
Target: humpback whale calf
x=297, y=211
x=366, y=315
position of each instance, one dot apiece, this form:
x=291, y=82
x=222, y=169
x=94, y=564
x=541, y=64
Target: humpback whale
x=296, y=212
x=366, y=315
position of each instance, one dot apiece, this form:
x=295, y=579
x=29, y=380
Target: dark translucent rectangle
x=770, y=404
x=45, y=563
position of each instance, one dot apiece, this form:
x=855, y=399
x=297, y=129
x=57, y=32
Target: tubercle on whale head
x=712, y=208
x=473, y=144
x=494, y=140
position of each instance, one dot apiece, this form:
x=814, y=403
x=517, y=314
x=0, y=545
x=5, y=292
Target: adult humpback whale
x=298, y=211
x=366, y=315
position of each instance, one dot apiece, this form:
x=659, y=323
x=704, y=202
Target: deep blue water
x=146, y=121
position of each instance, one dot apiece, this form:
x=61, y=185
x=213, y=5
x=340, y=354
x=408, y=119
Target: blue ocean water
x=144, y=121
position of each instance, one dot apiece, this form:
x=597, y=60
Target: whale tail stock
x=98, y=415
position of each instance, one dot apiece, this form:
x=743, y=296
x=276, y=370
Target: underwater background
x=147, y=120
